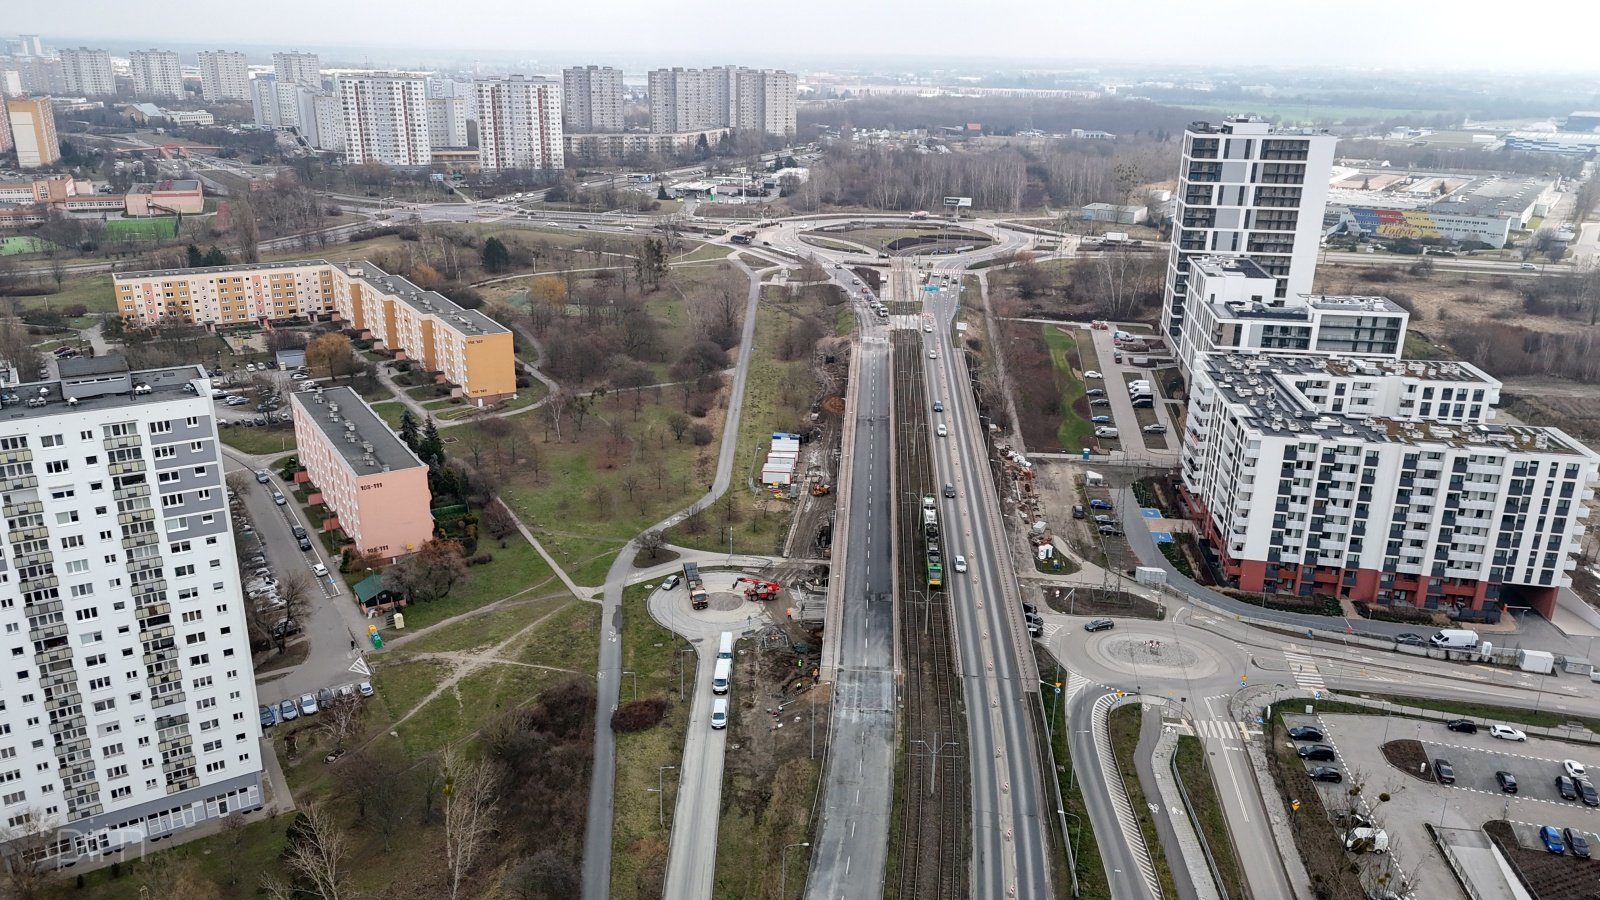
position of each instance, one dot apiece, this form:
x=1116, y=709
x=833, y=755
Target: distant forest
x=1127, y=119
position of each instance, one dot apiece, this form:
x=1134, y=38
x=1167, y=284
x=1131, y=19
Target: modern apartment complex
x=591, y=99
x=726, y=96
x=519, y=123
x=88, y=72
x=1232, y=309
x=133, y=711
x=1247, y=189
x=369, y=478
x=224, y=75
x=1382, y=481
x=470, y=349
x=156, y=73
x=33, y=131
x=385, y=119
x=447, y=121
x=294, y=67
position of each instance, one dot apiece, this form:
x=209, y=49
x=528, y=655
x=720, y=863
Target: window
x=201, y=660
x=119, y=793
x=162, y=427
x=179, y=547
x=90, y=637
x=196, y=446
x=197, y=638
x=49, y=440
x=105, y=705
x=166, y=477
x=72, y=541
x=84, y=590
x=67, y=518
x=166, y=452
x=181, y=571
x=55, y=466
x=199, y=471
x=194, y=615
x=193, y=422
x=14, y=799
x=111, y=750
x=170, y=500
x=76, y=566
x=100, y=684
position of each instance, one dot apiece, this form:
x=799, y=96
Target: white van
x=719, y=713
x=1105, y=431
x=720, y=676
x=1455, y=639
x=725, y=647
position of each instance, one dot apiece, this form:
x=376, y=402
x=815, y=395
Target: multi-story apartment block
x=447, y=121
x=763, y=100
x=1232, y=308
x=325, y=129
x=591, y=99
x=294, y=67
x=156, y=73
x=1247, y=189
x=132, y=714
x=369, y=478
x=385, y=119
x=470, y=349
x=5, y=126
x=32, y=75
x=264, y=100
x=725, y=96
x=611, y=146
x=33, y=131
x=224, y=75
x=29, y=45
x=1382, y=481
x=88, y=72
x=519, y=123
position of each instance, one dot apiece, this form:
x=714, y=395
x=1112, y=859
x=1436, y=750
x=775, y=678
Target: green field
x=22, y=243
x=156, y=229
x=1075, y=430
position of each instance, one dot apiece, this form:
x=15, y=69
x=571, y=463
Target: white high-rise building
x=385, y=119
x=224, y=75
x=156, y=73
x=447, y=121
x=519, y=123
x=591, y=99
x=327, y=132
x=295, y=67
x=724, y=97
x=88, y=72
x=29, y=45
x=1246, y=188
x=130, y=709
x=264, y=99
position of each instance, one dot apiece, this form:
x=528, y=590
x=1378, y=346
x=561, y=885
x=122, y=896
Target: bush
x=639, y=715
x=481, y=559
x=700, y=434
x=524, y=380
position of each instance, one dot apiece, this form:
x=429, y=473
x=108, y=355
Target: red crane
x=760, y=589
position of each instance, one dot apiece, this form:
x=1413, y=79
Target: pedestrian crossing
x=1218, y=729
x=1304, y=669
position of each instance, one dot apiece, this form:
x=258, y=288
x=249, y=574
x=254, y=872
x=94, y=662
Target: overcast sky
x=1391, y=33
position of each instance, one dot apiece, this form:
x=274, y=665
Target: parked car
x=287, y=710
x=305, y=544
x=299, y=376
x=319, y=570
x=285, y=628
x=933, y=354
x=1305, y=733
x=1099, y=504
x=1552, y=840
x=1506, y=733
x=1317, y=753
x=1410, y=640
x=297, y=531
x=1507, y=781
x=325, y=697
x=1465, y=726
x=1587, y=793
x=1100, y=420
x=1443, y=772
x=1576, y=842
x=1325, y=773
x=269, y=717
x=1111, y=530
x=719, y=713
x=308, y=704
x=364, y=688
x=1077, y=511
x=1104, y=520
x=671, y=582
x=1092, y=374
x=279, y=499
x=1574, y=768
x=1094, y=392
x=1099, y=401
x=1099, y=625
x=1566, y=787
x=1157, y=428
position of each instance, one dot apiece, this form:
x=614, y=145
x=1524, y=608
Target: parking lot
x=1474, y=799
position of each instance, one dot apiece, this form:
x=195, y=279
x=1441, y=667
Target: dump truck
x=698, y=597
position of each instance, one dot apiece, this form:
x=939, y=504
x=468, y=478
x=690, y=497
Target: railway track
x=933, y=835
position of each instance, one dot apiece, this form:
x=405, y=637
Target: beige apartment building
x=470, y=349
x=373, y=483
x=33, y=131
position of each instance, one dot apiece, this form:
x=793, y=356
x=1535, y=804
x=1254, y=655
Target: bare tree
x=382, y=800
x=238, y=481
x=24, y=847
x=652, y=541
x=341, y=719
x=470, y=809
x=315, y=856
x=295, y=591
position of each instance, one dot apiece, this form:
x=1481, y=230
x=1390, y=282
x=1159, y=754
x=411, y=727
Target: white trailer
x=1541, y=662
x=1150, y=575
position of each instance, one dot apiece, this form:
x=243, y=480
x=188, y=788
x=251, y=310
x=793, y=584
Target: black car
x=1465, y=726
x=1028, y=609
x=1077, y=512
x=1325, y=773
x=1566, y=787
x=1104, y=520
x=1508, y=782
x=286, y=628
x=1444, y=772
x=1112, y=530
x=1317, y=752
x=305, y=544
x=1587, y=792
x=1576, y=842
x=1412, y=640
x=949, y=490
x=1305, y=733
x=297, y=531
x=1099, y=625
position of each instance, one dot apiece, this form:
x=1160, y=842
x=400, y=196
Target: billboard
x=958, y=201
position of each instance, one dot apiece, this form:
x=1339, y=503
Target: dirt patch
x=1083, y=601
x=1408, y=756
x=644, y=559
x=1553, y=402
x=1549, y=876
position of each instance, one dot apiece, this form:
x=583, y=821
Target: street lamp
x=660, y=791
x=783, y=870
x=635, y=683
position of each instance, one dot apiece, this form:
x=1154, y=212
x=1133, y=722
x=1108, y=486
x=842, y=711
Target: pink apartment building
x=370, y=479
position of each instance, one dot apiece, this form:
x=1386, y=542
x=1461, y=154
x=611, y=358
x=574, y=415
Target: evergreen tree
x=215, y=257
x=496, y=258
x=196, y=258
x=432, y=449
x=408, y=431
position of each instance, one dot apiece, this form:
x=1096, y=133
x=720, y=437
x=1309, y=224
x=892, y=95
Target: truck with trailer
x=699, y=598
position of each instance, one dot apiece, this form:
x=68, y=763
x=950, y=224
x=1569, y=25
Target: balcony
x=18, y=483
x=121, y=441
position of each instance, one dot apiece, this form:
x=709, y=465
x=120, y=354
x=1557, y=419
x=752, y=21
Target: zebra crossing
x=1305, y=672
x=1219, y=729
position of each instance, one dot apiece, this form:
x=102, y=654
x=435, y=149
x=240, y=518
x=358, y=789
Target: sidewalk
x=1182, y=844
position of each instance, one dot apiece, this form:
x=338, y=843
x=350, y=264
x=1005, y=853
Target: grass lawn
x=706, y=252
x=638, y=842
x=1092, y=883
x=157, y=229
x=1482, y=711
x=257, y=441
x=92, y=290
x=517, y=569
x=1124, y=724
x=22, y=243
x=390, y=412
x=1074, y=430
x=1190, y=758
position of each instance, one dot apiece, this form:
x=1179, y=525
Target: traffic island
x=1408, y=756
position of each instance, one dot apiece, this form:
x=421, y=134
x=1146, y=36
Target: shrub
x=481, y=559
x=639, y=715
x=700, y=434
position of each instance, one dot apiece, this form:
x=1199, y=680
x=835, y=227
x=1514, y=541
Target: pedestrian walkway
x=1190, y=852
x=1305, y=671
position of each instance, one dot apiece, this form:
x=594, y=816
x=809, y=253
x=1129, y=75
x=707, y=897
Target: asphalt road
x=850, y=847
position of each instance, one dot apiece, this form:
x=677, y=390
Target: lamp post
x=783, y=869
x=660, y=791
x=635, y=683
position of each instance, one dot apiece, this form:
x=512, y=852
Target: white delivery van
x=1105, y=431
x=1455, y=639
x=719, y=677
x=719, y=713
x=725, y=646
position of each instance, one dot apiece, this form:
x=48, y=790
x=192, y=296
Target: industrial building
x=1438, y=206
x=1567, y=143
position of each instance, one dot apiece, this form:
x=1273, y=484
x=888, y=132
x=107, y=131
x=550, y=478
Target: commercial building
x=470, y=349
x=1582, y=122
x=1113, y=214
x=295, y=67
x=1380, y=481
x=447, y=121
x=88, y=72
x=591, y=99
x=373, y=483
x=157, y=74
x=133, y=712
x=164, y=198
x=1231, y=309
x=519, y=123
x=683, y=100
x=1566, y=143
x=385, y=119
x=33, y=131
x=621, y=145
x=1438, y=206
x=224, y=75
x=1246, y=188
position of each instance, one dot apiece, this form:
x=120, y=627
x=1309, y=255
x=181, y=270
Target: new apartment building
x=726, y=96
x=1232, y=308
x=519, y=123
x=373, y=483
x=295, y=67
x=1246, y=188
x=591, y=99
x=1382, y=481
x=33, y=131
x=470, y=349
x=131, y=711
x=88, y=72
x=447, y=121
x=156, y=73
x=385, y=119
x=224, y=75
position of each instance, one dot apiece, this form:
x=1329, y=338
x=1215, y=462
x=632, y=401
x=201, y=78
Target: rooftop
x=122, y=388
x=1469, y=195
x=352, y=428
x=167, y=184
x=1230, y=265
